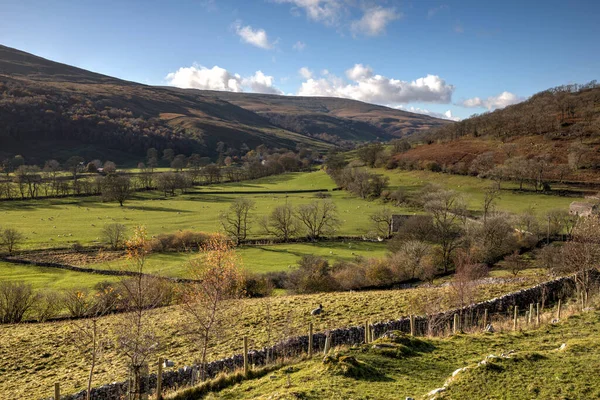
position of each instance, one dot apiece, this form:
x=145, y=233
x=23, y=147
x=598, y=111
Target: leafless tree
x=282, y=222
x=463, y=287
x=492, y=194
x=319, y=218
x=582, y=254
x=136, y=334
x=218, y=279
x=116, y=188
x=383, y=221
x=16, y=299
x=515, y=263
x=90, y=336
x=10, y=238
x=114, y=235
x=412, y=257
x=236, y=221
x=447, y=209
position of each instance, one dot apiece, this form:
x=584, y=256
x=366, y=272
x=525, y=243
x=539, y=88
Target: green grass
x=474, y=188
x=408, y=367
x=288, y=181
x=60, y=222
x=47, y=352
x=259, y=259
x=49, y=278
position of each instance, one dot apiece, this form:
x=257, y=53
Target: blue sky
x=453, y=57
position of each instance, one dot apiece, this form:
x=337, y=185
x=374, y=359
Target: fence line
x=469, y=316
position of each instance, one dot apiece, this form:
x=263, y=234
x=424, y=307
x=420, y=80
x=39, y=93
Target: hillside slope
x=67, y=110
x=559, y=127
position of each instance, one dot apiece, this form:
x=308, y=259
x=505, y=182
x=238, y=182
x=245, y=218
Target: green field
x=412, y=367
x=60, y=222
x=259, y=259
x=511, y=200
x=41, y=278
x=47, y=349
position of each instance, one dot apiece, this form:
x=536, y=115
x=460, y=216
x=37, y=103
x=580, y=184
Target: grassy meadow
x=412, y=367
x=47, y=352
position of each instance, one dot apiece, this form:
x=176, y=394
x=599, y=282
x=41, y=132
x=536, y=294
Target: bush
x=47, y=305
x=16, y=298
x=313, y=275
x=78, y=302
x=179, y=241
x=256, y=285
x=350, y=276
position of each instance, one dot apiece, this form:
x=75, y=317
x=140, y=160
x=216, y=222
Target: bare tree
x=10, y=238
x=114, y=235
x=463, y=287
x=16, y=298
x=447, y=209
x=489, y=201
x=582, y=254
x=116, y=188
x=136, y=334
x=383, y=221
x=282, y=222
x=218, y=279
x=91, y=337
x=236, y=221
x=319, y=218
x=414, y=257
x=515, y=263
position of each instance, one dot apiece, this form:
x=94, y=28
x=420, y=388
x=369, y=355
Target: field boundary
x=550, y=291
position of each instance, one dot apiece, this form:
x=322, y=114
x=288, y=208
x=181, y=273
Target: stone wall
x=545, y=293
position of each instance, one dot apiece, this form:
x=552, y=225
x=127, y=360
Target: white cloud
x=261, y=83
x=374, y=21
x=255, y=37
x=299, y=46
x=458, y=27
x=199, y=77
x=326, y=11
x=433, y=11
x=365, y=86
x=446, y=115
x=217, y=78
x=305, y=73
x=337, y=13
x=493, y=102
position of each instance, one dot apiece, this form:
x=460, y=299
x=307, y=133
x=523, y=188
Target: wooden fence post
x=310, y=339
x=485, y=318
x=245, y=355
x=327, y=345
x=530, y=319
x=516, y=316
x=159, y=379
x=412, y=325
x=455, y=327
x=57, y=391
x=367, y=332
x=558, y=311
x=537, y=316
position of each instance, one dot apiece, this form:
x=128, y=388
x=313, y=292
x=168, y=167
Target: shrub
x=78, y=302
x=47, y=305
x=313, y=275
x=179, y=241
x=16, y=298
x=256, y=285
x=378, y=273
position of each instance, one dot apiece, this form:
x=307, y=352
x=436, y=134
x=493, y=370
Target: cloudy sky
x=445, y=58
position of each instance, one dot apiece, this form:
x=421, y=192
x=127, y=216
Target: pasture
x=47, y=351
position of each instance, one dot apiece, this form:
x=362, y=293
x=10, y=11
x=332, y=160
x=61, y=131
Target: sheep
x=317, y=311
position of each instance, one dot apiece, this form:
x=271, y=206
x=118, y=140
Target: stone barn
x=398, y=220
x=583, y=209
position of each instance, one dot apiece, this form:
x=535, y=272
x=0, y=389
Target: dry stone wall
x=545, y=293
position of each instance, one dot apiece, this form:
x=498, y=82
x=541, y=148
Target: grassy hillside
x=95, y=116
x=47, y=349
x=536, y=367
x=557, y=130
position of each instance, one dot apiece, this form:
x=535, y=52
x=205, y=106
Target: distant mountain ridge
x=67, y=110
